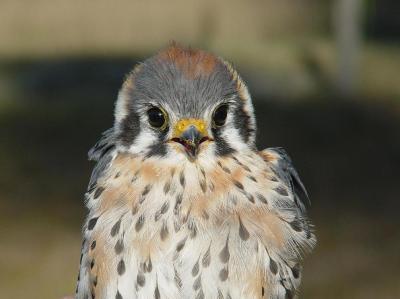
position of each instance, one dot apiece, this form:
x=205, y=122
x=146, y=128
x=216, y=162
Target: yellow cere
x=183, y=124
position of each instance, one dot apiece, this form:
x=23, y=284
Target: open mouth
x=191, y=146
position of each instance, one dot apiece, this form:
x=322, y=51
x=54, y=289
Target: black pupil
x=156, y=117
x=220, y=115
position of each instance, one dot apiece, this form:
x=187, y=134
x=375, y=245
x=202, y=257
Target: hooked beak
x=190, y=133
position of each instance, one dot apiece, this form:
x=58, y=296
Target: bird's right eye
x=157, y=118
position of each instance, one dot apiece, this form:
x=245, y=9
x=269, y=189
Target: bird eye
x=157, y=118
x=220, y=115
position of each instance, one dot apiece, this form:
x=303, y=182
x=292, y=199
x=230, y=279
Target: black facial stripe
x=222, y=148
x=129, y=128
x=242, y=122
x=160, y=148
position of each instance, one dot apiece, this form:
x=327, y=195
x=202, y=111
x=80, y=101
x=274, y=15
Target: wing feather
x=101, y=152
x=284, y=169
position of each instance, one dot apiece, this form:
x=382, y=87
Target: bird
x=181, y=203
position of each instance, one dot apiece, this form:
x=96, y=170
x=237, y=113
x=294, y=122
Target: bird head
x=184, y=103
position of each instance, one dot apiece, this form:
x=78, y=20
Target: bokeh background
x=325, y=79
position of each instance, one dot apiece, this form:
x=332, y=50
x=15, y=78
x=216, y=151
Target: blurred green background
x=325, y=80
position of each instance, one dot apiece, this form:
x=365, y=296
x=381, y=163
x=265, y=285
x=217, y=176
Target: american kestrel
x=181, y=204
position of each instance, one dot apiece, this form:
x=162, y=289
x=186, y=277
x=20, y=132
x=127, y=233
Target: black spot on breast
x=146, y=190
x=182, y=179
x=139, y=223
x=272, y=178
x=250, y=197
x=119, y=246
x=178, y=202
x=115, y=228
x=237, y=160
x=205, y=215
x=224, y=168
x=203, y=172
x=98, y=192
x=157, y=293
x=141, y=279
x=167, y=187
x=164, y=232
x=245, y=167
x=181, y=244
x=207, y=258
x=200, y=294
x=92, y=223
x=177, y=226
x=196, y=268
x=243, y=233
x=203, y=185
x=148, y=266
x=164, y=207
x=224, y=255
x=281, y=190
x=238, y=185
x=177, y=279
x=118, y=295
x=157, y=216
x=223, y=274
x=121, y=267
x=193, y=230
x=262, y=198
x=92, y=264
x=252, y=178
x=197, y=283
x=211, y=186
x=135, y=209
x=273, y=266
x=93, y=245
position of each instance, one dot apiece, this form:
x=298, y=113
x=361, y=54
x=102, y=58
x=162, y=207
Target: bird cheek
x=177, y=148
x=204, y=145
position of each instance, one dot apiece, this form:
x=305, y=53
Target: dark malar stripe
x=242, y=122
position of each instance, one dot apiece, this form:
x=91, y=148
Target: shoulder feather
x=101, y=152
x=284, y=169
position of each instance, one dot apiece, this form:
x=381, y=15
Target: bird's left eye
x=220, y=115
x=157, y=118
